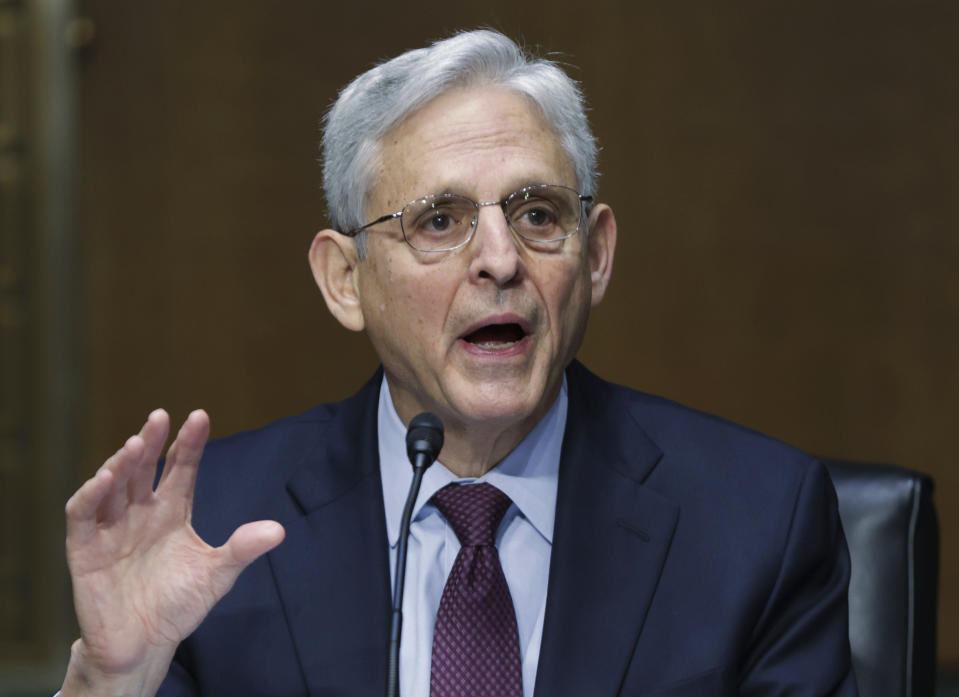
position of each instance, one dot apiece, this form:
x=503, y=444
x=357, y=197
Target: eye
x=438, y=222
x=534, y=217
x=538, y=216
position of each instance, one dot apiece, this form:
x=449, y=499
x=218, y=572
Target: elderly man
x=640, y=547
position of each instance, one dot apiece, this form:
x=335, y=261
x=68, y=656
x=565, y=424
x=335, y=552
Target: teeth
x=496, y=344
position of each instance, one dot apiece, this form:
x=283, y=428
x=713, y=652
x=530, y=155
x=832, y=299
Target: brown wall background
x=786, y=179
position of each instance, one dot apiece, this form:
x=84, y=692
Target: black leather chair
x=890, y=524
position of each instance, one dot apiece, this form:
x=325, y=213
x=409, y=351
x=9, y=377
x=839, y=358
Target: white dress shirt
x=529, y=476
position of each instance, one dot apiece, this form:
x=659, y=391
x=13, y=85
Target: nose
x=496, y=252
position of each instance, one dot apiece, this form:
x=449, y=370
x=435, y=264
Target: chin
x=497, y=405
x=502, y=396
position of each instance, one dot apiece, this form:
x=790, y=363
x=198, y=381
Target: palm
x=142, y=578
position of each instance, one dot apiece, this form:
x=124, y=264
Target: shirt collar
x=529, y=475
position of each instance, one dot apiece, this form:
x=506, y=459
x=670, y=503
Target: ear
x=601, y=247
x=333, y=259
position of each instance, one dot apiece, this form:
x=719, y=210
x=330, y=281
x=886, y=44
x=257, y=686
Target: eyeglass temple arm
x=382, y=219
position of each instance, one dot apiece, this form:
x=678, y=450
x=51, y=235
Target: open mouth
x=496, y=336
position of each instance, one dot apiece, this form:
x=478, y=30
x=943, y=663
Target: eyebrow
x=459, y=189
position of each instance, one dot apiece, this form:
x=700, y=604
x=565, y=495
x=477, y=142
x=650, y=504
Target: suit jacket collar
x=332, y=571
x=611, y=541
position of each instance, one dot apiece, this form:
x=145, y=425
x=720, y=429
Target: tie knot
x=473, y=510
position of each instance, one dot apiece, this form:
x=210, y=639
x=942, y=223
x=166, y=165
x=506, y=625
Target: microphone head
x=424, y=436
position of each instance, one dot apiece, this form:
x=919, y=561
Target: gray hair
x=386, y=95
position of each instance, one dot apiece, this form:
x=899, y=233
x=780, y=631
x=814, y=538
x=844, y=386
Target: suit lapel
x=333, y=569
x=611, y=539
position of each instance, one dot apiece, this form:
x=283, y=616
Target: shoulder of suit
x=692, y=435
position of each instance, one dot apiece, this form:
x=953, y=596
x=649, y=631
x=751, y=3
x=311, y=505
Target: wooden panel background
x=785, y=178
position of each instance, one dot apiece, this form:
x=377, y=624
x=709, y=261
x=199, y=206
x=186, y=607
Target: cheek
x=568, y=282
x=569, y=298
x=427, y=301
x=406, y=299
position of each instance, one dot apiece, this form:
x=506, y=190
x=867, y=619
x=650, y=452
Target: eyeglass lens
x=445, y=221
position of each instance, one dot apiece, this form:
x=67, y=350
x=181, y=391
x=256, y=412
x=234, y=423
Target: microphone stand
x=424, y=440
x=396, y=621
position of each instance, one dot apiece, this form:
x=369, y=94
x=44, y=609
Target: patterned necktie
x=475, y=640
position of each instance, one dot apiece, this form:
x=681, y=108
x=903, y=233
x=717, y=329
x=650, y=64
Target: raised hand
x=142, y=578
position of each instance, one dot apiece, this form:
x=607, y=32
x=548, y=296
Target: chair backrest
x=890, y=524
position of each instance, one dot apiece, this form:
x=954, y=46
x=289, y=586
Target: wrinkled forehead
x=477, y=141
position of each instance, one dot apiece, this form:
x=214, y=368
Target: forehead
x=483, y=142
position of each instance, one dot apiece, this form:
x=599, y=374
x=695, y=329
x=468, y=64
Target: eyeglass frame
x=584, y=213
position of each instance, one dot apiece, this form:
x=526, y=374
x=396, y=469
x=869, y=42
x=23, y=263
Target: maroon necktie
x=475, y=641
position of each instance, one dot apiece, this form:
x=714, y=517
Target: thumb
x=247, y=542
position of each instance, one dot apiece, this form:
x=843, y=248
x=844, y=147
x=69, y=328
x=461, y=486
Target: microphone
x=424, y=440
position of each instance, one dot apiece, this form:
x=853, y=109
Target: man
x=646, y=548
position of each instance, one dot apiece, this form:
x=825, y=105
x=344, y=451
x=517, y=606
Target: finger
x=247, y=543
x=154, y=434
x=121, y=465
x=81, y=508
x=179, y=472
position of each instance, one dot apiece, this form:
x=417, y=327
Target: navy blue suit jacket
x=690, y=557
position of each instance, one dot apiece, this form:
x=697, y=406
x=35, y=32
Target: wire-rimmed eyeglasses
x=542, y=213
